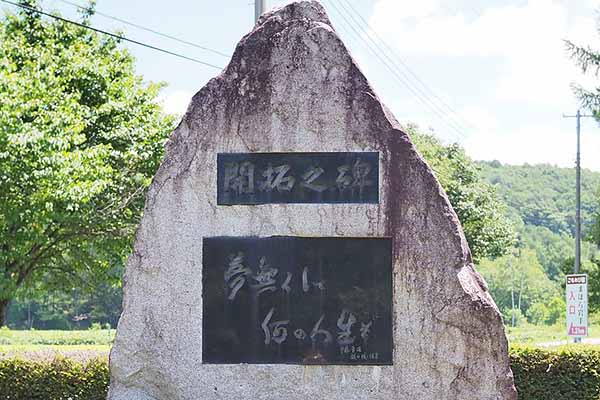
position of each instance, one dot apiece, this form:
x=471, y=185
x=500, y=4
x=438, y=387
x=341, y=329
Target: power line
x=402, y=78
x=349, y=28
x=147, y=29
x=111, y=34
x=423, y=97
x=458, y=118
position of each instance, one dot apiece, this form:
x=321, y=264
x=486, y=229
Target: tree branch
x=583, y=57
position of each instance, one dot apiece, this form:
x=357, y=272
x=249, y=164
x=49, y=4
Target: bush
x=96, y=326
x=569, y=372
x=520, y=319
x=60, y=379
x=556, y=311
x=540, y=374
x=538, y=313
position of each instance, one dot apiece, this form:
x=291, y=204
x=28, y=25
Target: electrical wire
x=402, y=79
x=457, y=121
x=457, y=115
x=146, y=29
x=111, y=34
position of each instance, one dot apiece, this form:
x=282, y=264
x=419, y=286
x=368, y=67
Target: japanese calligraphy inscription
x=297, y=300
x=260, y=178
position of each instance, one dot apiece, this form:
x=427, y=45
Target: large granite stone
x=292, y=86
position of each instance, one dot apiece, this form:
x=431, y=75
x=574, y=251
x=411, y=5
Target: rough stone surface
x=292, y=86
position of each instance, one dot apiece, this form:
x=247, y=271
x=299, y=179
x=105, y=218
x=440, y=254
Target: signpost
x=577, y=306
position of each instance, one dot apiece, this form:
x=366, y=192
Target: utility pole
x=259, y=9
x=577, y=266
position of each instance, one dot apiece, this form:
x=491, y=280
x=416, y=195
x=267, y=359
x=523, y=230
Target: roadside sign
x=577, y=305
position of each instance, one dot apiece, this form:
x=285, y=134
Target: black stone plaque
x=261, y=178
x=297, y=300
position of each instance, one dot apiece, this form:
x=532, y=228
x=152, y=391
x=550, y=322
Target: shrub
x=520, y=319
x=60, y=379
x=569, y=372
x=556, y=311
x=96, y=326
x=538, y=313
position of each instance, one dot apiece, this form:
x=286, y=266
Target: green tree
x=518, y=281
x=80, y=139
x=544, y=195
x=588, y=60
x=479, y=208
x=595, y=230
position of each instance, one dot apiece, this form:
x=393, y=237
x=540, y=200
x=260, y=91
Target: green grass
x=47, y=345
x=534, y=334
x=86, y=344
x=56, y=338
x=42, y=352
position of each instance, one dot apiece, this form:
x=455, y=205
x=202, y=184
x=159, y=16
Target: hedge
x=60, y=379
x=571, y=372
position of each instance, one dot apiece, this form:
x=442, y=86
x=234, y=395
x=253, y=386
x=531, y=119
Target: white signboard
x=577, y=305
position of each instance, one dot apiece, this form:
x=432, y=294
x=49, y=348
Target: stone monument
x=295, y=245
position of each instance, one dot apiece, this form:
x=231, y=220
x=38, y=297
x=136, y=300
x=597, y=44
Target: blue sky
x=495, y=74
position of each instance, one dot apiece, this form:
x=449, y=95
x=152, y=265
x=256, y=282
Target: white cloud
x=480, y=119
x=526, y=41
x=175, y=102
x=518, y=53
x=537, y=144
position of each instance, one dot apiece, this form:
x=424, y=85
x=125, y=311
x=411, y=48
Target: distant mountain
x=544, y=195
x=541, y=202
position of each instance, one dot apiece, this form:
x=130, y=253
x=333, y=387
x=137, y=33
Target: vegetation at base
x=565, y=372
x=57, y=379
x=569, y=372
x=80, y=138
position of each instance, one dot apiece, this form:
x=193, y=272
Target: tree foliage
x=588, y=60
x=544, y=195
x=80, y=139
x=541, y=202
x=595, y=229
x=479, y=208
x=519, y=281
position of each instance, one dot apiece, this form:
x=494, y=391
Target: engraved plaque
x=262, y=178
x=297, y=300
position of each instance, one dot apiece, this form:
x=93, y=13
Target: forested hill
x=540, y=201
x=544, y=195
